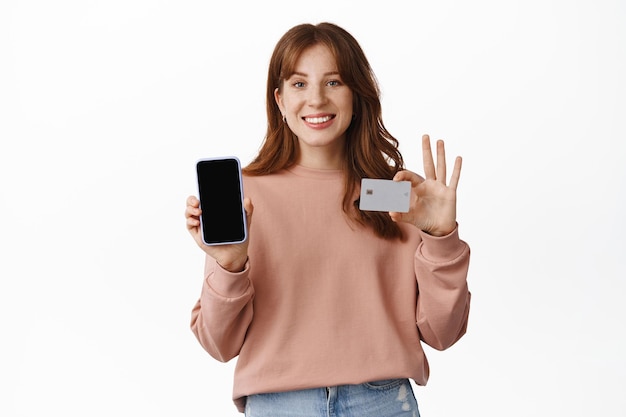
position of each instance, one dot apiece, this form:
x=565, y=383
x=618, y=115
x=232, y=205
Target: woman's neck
x=321, y=158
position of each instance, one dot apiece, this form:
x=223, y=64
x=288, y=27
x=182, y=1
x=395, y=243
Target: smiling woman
x=313, y=256
x=106, y=105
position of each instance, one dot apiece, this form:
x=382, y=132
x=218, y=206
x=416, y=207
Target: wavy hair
x=371, y=151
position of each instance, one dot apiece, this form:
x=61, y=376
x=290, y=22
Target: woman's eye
x=334, y=83
x=298, y=84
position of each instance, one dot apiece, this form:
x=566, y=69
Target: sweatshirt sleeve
x=441, y=266
x=221, y=317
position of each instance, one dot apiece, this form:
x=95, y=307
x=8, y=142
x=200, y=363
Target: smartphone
x=385, y=195
x=220, y=190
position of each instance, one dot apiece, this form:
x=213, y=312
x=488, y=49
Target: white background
x=106, y=105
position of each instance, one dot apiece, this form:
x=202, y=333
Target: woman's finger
x=427, y=155
x=249, y=208
x=456, y=173
x=193, y=201
x=441, y=162
x=191, y=211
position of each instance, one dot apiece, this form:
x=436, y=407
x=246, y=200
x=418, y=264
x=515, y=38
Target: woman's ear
x=279, y=101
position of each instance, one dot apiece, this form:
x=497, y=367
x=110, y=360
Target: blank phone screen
x=223, y=215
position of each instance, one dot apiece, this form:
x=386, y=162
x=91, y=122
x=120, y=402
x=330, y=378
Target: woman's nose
x=317, y=96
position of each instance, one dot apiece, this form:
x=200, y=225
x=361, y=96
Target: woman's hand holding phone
x=231, y=257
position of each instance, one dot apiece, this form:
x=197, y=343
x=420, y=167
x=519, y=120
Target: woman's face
x=316, y=103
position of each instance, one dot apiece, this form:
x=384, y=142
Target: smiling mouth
x=318, y=120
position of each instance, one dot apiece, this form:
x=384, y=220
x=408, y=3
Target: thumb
x=406, y=175
x=249, y=208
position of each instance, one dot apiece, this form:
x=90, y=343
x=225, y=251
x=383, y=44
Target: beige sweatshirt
x=323, y=301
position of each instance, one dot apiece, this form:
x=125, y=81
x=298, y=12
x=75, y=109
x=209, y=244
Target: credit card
x=385, y=195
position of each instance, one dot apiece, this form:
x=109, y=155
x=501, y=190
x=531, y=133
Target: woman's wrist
x=234, y=266
x=440, y=233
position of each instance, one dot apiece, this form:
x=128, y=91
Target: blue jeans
x=388, y=398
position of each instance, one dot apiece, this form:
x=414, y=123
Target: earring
x=284, y=119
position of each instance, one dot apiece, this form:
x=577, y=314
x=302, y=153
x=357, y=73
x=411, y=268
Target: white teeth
x=316, y=120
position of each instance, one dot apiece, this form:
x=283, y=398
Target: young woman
x=325, y=305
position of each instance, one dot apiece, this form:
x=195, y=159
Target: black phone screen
x=223, y=218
